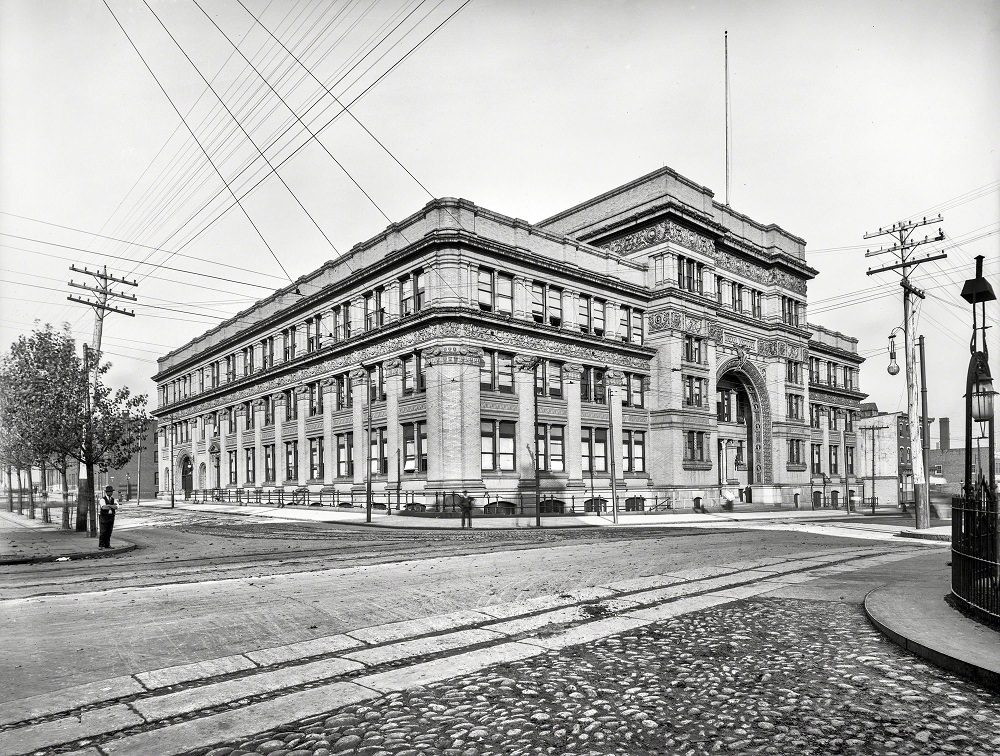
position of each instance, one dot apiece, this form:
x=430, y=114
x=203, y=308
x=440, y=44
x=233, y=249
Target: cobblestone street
x=768, y=676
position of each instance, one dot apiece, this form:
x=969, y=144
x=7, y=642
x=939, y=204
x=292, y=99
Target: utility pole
x=902, y=248
x=103, y=293
x=925, y=431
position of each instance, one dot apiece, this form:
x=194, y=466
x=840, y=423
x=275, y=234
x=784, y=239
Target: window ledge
x=792, y=467
x=694, y=464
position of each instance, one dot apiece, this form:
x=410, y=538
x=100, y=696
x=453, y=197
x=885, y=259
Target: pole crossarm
x=99, y=306
x=103, y=275
x=906, y=263
x=904, y=227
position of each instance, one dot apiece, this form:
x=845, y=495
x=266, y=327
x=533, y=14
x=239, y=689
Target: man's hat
x=108, y=488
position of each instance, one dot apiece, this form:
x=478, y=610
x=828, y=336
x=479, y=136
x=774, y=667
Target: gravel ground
x=765, y=676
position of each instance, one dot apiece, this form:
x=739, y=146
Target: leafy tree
x=49, y=412
x=44, y=388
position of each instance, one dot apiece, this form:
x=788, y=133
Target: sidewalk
x=24, y=541
x=911, y=612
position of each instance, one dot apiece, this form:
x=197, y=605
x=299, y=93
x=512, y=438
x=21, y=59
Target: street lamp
x=893, y=368
x=975, y=534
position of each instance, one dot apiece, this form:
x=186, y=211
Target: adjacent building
x=649, y=344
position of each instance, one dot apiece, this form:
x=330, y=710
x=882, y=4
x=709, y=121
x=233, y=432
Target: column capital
x=572, y=371
x=614, y=378
x=524, y=362
x=359, y=376
x=392, y=367
x=327, y=383
x=453, y=355
x=302, y=392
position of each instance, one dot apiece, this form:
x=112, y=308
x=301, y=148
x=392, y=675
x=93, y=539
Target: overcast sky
x=846, y=116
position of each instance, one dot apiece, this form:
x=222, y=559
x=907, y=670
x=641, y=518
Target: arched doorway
x=187, y=475
x=744, y=417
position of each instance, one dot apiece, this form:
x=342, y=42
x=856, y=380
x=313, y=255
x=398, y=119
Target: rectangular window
x=288, y=343
x=793, y=372
x=583, y=314
x=548, y=379
x=269, y=463
x=345, y=454
x=316, y=458
x=791, y=311
x=546, y=303
x=291, y=405
x=345, y=394
x=834, y=415
x=268, y=402
x=693, y=349
x=497, y=372
x=231, y=419
x=551, y=454
x=497, y=445
x=736, y=295
x=230, y=368
x=690, y=274
x=414, y=377
x=315, y=399
x=834, y=460
x=634, y=390
x=795, y=405
x=694, y=446
x=814, y=413
x=414, y=447
x=232, y=467
x=248, y=360
x=594, y=449
x=291, y=461
x=376, y=383
x=817, y=459
x=633, y=451
x=636, y=334
x=755, y=300
x=592, y=388
x=342, y=322
x=496, y=292
x=849, y=460
x=374, y=310
x=251, y=458
x=248, y=413
x=849, y=421
x=795, y=451
x=411, y=293
x=694, y=391
x=377, y=451
x=814, y=369
x=267, y=353
x=215, y=374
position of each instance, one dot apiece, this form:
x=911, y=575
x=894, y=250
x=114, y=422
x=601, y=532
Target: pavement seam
x=552, y=642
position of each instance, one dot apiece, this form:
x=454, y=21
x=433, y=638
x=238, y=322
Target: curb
x=924, y=536
x=75, y=556
x=985, y=677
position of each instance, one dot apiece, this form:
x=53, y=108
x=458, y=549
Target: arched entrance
x=744, y=418
x=187, y=475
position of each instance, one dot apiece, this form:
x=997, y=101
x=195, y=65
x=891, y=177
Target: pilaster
x=615, y=381
x=359, y=387
x=571, y=310
x=241, y=460
x=392, y=369
x=258, y=443
x=390, y=301
x=302, y=397
x=328, y=386
x=522, y=297
x=453, y=417
x=572, y=375
x=524, y=386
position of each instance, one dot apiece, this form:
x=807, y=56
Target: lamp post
x=976, y=532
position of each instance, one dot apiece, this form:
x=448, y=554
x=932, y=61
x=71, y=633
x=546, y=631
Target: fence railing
x=440, y=503
x=975, y=551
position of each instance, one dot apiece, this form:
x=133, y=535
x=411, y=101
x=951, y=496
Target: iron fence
x=975, y=569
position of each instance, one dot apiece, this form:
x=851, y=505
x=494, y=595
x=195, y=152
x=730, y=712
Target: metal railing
x=975, y=543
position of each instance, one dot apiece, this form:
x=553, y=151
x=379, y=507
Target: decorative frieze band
x=758, y=273
x=664, y=231
x=670, y=319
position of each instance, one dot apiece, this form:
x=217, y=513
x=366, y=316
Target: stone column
x=392, y=369
x=302, y=397
x=357, y=315
x=241, y=461
x=570, y=314
x=390, y=301
x=223, y=451
x=522, y=297
x=280, y=413
x=572, y=375
x=615, y=381
x=524, y=387
x=453, y=459
x=258, y=443
x=359, y=388
x=329, y=387
x=611, y=315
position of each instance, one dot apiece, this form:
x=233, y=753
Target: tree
x=44, y=388
x=114, y=426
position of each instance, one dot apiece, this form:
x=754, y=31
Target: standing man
x=109, y=505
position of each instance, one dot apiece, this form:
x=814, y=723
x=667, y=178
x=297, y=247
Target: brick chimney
x=945, y=434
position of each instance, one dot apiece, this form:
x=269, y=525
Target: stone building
x=649, y=335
